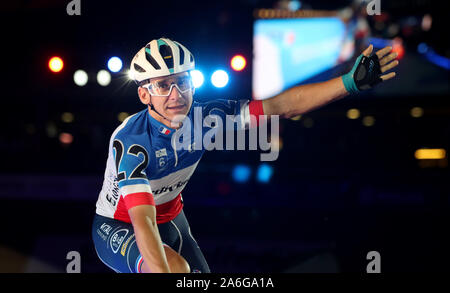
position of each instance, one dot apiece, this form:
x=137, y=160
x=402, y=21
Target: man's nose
x=175, y=94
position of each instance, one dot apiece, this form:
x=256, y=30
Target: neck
x=166, y=122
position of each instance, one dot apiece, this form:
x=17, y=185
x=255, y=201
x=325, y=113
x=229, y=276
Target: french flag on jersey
x=164, y=130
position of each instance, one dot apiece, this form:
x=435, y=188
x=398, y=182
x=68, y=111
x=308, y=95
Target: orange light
x=238, y=63
x=55, y=64
x=66, y=138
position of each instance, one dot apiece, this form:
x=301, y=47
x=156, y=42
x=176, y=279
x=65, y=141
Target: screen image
x=289, y=51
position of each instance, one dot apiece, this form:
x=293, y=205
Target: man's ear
x=144, y=95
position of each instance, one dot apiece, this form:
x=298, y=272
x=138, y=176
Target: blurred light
x=66, y=138
x=368, y=121
x=219, y=78
x=122, y=116
x=241, y=173
x=55, y=64
x=417, y=112
x=397, y=47
x=308, y=122
x=130, y=74
x=296, y=118
x=114, y=64
x=80, y=77
x=353, y=114
x=427, y=21
x=264, y=173
x=51, y=130
x=380, y=43
x=238, y=62
x=424, y=154
x=103, y=77
x=67, y=117
x=422, y=48
x=197, y=78
x=436, y=59
x=294, y=5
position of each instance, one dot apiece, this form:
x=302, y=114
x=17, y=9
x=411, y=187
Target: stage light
x=80, y=77
x=66, y=138
x=427, y=154
x=422, y=48
x=264, y=173
x=55, y=64
x=417, y=112
x=353, y=114
x=197, y=78
x=241, y=173
x=103, y=77
x=130, y=75
x=114, y=64
x=238, y=63
x=67, y=117
x=368, y=121
x=219, y=78
x=122, y=116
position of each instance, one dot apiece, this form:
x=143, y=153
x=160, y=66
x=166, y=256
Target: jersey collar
x=159, y=127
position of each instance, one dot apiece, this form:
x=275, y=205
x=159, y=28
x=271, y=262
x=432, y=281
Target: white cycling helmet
x=160, y=57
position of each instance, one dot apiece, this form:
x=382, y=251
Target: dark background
x=339, y=189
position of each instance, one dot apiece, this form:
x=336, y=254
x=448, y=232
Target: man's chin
x=178, y=117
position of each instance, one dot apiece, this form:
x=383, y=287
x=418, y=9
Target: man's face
x=175, y=106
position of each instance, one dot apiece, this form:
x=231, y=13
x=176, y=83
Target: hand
x=385, y=56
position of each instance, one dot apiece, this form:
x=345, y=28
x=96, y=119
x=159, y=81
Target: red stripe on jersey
x=168, y=211
x=256, y=108
x=121, y=212
x=165, y=212
x=138, y=198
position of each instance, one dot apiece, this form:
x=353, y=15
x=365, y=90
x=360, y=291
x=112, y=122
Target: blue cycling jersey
x=144, y=165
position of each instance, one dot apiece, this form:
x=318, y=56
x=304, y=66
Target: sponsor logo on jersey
x=124, y=246
x=106, y=228
x=170, y=188
x=161, y=153
x=117, y=239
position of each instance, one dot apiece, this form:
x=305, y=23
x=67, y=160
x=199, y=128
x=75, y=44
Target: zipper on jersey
x=174, y=149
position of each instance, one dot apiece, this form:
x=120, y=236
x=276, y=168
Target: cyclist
x=139, y=224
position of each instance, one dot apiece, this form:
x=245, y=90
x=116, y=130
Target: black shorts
x=116, y=245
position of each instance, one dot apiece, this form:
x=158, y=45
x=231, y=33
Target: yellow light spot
x=122, y=116
x=353, y=114
x=426, y=154
x=55, y=64
x=417, y=112
x=296, y=118
x=238, y=62
x=67, y=117
x=368, y=121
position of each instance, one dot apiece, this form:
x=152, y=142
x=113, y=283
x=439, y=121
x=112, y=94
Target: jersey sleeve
x=131, y=161
x=248, y=112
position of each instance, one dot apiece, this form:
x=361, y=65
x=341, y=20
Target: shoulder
x=224, y=106
x=133, y=130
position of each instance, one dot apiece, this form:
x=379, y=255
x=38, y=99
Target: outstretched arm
x=367, y=71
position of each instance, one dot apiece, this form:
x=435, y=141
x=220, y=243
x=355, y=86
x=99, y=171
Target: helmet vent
x=150, y=59
x=166, y=53
x=138, y=68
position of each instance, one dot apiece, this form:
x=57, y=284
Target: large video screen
x=289, y=51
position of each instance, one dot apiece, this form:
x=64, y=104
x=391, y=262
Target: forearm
x=305, y=98
x=150, y=245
